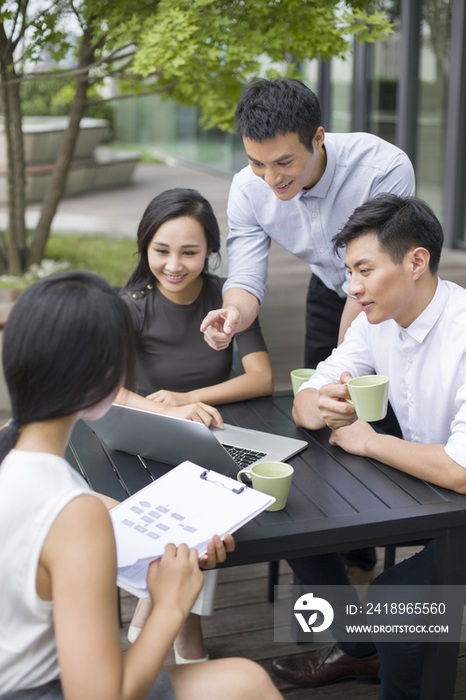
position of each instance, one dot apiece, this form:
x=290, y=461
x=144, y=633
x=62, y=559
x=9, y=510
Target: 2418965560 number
x=405, y=609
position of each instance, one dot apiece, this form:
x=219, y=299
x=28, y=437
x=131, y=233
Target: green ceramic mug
x=273, y=478
x=298, y=377
x=369, y=396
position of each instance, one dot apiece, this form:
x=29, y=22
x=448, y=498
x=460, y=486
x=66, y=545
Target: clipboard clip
x=212, y=480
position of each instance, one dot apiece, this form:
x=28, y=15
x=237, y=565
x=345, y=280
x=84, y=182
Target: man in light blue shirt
x=299, y=190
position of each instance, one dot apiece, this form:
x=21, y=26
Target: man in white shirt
x=413, y=329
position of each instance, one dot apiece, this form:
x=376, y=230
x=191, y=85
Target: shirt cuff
x=311, y=383
x=456, y=449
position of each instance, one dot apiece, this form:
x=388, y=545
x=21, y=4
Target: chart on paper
x=186, y=506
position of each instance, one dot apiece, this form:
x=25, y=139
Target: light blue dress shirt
x=359, y=166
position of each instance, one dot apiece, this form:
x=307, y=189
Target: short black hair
x=400, y=223
x=272, y=107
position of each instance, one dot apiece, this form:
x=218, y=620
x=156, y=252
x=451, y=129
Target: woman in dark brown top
x=169, y=294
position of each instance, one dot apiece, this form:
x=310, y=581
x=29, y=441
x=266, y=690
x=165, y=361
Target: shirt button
x=322, y=250
x=416, y=439
x=332, y=271
x=314, y=214
x=410, y=360
x=411, y=401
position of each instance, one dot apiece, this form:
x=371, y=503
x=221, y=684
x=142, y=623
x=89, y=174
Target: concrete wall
x=43, y=135
x=90, y=170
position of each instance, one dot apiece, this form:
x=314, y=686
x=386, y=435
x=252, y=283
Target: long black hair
x=68, y=344
x=171, y=204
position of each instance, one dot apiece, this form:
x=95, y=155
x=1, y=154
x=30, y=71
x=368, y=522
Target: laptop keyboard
x=242, y=456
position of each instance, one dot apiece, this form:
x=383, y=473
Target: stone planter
x=91, y=168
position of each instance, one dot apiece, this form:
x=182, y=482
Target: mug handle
x=242, y=471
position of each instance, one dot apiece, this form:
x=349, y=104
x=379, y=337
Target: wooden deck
x=242, y=625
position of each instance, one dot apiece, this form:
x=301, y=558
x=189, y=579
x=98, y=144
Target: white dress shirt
x=426, y=365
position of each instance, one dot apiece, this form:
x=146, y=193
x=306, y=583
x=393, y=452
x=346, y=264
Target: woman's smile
x=174, y=278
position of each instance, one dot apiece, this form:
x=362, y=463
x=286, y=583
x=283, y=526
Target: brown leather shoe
x=330, y=666
x=358, y=576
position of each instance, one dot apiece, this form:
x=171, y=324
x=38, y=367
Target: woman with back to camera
x=68, y=347
x=169, y=294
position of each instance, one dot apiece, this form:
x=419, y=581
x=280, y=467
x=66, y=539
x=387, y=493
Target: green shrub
x=53, y=96
x=113, y=258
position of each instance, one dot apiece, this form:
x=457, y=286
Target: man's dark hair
x=400, y=223
x=277, y=107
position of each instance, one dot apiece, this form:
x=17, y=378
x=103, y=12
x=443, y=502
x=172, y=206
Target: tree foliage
x=199, y=52
x=208, y=49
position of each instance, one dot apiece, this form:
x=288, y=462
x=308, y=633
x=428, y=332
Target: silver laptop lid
x=173, y=440
x=162, y=438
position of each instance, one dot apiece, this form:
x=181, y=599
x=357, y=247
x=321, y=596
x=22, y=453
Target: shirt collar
x=322, y=187
x=423, y=324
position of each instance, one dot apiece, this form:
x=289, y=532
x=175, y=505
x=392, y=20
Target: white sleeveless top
x=34, y=488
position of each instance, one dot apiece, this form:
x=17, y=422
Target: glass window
x=433, y=88
x=384, y=86
x=384, y=83
x=174, y=130
x=310, y=73
x=341, y=78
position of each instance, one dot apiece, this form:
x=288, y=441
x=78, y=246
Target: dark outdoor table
x=337, y=502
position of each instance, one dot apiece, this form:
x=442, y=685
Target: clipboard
x=187, y=505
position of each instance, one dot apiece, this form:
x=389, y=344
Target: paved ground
x=117, y=212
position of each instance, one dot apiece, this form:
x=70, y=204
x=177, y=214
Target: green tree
x=205, y=51
x=200, y=52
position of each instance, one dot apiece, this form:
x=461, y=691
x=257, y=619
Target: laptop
x=173, y=440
